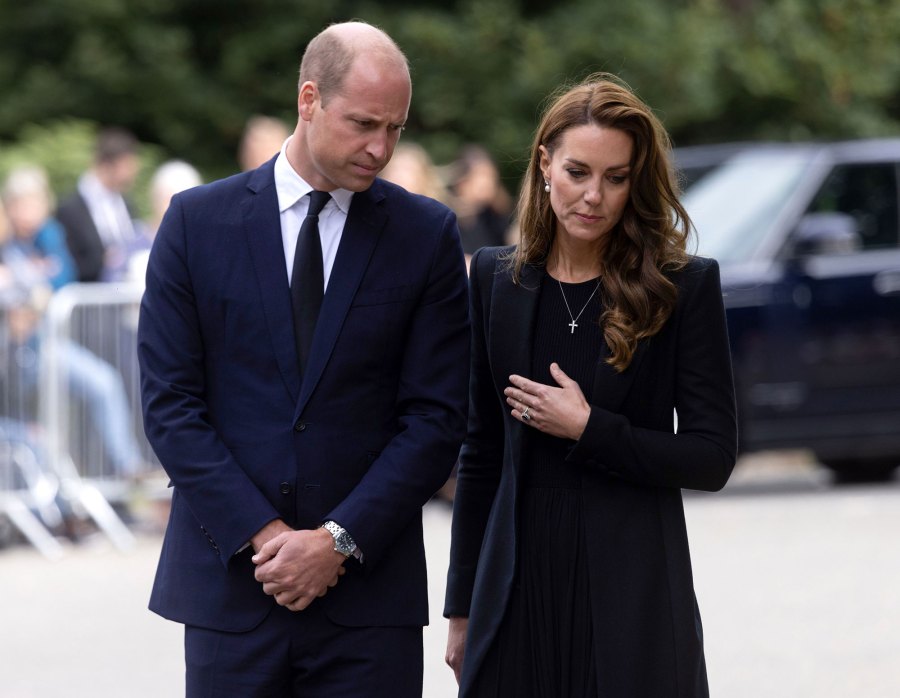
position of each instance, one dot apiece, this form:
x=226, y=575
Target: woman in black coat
x=570, y=571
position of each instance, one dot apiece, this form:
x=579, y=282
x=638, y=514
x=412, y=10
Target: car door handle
x=887, y=283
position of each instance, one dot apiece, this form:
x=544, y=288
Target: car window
x=869, y=194
x=694, y=162
x=735, y=207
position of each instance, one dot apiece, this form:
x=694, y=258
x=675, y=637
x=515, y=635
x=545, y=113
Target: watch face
x=343, y=543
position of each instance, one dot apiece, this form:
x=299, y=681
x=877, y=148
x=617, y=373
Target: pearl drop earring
x=547, y=186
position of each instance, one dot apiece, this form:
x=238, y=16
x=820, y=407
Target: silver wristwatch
x=343, y=541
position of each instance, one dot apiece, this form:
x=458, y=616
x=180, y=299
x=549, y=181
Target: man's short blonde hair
x=330, y=55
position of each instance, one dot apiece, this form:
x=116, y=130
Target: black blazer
x=647, y=630
x=82, y=238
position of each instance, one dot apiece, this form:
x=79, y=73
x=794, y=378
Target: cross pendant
x=573, y=325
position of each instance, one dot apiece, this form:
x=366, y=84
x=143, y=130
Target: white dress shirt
x=108, y=211
x=293, y=203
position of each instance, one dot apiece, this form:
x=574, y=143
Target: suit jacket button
x=300, y=426
x=285, y=488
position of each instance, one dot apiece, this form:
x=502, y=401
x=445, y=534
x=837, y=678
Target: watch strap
x=343, y=541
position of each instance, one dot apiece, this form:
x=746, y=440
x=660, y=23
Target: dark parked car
x=694, y=162
x=808, y=238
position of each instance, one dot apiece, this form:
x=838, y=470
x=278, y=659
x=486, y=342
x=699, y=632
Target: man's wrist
x=267, y=533
x=343, y=541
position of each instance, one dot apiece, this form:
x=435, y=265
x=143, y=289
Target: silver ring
x=525, y=416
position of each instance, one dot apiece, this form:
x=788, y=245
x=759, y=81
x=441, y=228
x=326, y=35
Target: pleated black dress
x=544, y=647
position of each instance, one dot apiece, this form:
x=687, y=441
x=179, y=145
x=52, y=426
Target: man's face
x=352, y=136
x=119, y=174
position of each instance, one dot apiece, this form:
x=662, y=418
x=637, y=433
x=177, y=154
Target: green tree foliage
x=186, y=74
x=62, y=148
x=813, y=69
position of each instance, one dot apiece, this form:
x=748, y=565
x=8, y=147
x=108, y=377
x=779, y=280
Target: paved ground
x=798, y=581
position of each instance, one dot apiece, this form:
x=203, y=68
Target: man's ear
x=308, y=100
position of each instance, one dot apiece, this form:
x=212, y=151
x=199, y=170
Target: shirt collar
x=90, y=186
x=291, y=187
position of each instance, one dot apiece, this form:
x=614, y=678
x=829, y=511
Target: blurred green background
x=184, y=75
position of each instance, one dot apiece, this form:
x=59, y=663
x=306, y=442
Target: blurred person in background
x=97, y=217
x=481, y=201
x=261, y=141
x=304, y=347
x=15, y=407
x=570, y=573
x=413, y=169
x=35, y=234
x=170, y=178
x=35, y=263
x=23, y=463
x=5, y=233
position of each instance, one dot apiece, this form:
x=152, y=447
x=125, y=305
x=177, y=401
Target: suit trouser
x=304, y=655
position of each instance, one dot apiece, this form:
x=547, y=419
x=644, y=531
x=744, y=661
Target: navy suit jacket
x=365, y=437
x=648, y=638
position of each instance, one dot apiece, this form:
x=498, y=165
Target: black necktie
x=308, y=278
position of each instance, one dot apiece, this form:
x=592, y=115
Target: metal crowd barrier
x=27, y=493
x=71, y=438
x=28, y=490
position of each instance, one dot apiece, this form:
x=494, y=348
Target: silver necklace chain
x=574, y=323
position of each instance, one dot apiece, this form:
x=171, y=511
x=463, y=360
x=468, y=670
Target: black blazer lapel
x=511, y=333
x=512, y=320
x=365, y=221
x=262, y=225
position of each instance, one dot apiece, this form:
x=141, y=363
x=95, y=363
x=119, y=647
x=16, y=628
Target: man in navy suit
x=294, y=552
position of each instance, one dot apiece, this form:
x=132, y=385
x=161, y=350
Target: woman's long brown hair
x=651, y=237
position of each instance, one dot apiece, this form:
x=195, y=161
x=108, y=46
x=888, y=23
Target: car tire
x=848, y=471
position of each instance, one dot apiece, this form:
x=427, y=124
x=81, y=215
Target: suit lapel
x=512, y=324
x=365, y=221
x=262, y=226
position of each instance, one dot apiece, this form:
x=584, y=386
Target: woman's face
x=590, y=180
x=27, y=213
